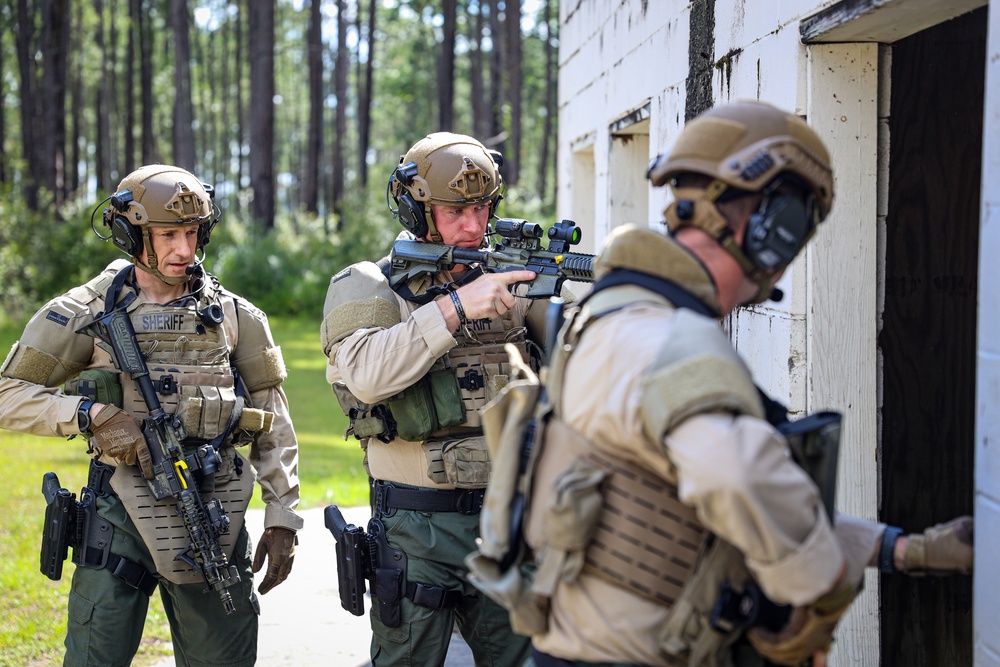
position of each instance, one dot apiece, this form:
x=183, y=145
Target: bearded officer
x=216, y=369
x=411, y=366
x=660, y=491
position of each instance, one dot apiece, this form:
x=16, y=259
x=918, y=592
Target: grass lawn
x=33, y=613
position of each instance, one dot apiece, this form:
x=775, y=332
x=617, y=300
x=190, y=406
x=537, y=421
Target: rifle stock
x=173, y=471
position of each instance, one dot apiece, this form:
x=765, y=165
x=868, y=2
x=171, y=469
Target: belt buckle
x=470, y=501
x=382, y=499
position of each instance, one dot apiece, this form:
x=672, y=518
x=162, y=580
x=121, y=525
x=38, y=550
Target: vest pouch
x=466, y=462
x=413, y=410
x=100, y=386
x=205, y=410
x=447, y=398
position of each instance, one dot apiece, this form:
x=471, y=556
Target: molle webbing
x=647, y=540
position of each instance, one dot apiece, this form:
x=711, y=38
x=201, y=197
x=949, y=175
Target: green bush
x=42, y=255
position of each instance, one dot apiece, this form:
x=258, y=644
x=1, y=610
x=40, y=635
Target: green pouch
x=100, y=386
x=413, y=410
x=447, y=398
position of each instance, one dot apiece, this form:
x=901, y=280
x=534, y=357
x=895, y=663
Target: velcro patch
x=58, y=318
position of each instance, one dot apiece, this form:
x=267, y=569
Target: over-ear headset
x=779, y=229
x=410, y=211
x=124, y=234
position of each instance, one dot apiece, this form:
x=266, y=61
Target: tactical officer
x=411, y=367
x=217, y=373
x=661, y=500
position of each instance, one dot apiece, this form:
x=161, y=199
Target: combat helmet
x=749, y=147
x=443, y=168
x=158, y=196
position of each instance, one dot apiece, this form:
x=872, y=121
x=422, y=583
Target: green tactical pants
x=435, y=544
x=106, y=616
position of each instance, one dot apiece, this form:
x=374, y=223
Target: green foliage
x=42, y=256
x=287, y=270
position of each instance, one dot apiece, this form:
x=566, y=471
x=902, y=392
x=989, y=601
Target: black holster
x=389, y=574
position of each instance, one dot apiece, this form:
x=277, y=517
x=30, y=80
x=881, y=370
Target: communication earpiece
x=410, y=211
x=778, y=230
x=124, y=234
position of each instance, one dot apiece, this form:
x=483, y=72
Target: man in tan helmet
x=217, y=375
x=661, y=500
x=411, y=368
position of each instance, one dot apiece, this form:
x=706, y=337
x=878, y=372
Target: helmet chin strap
x=153, y=268
x=696, y=207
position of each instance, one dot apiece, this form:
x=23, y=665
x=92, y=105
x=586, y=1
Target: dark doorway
x=928, y=337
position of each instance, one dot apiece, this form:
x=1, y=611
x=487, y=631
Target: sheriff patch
x=163, y=322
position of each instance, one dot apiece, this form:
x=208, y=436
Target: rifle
x=519, y=248
x=173, y=472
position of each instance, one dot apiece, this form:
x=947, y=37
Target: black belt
x=389, y=498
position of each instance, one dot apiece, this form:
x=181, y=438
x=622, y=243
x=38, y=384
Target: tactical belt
x=389, y=498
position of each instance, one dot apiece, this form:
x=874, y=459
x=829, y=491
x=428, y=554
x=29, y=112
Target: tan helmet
x=745, y=145
x=158, y=195
x=749, y=147
x=443, y=168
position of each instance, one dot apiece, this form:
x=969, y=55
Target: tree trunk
x=183, y=133
x=551, y=82
x=340, y=78
x=76, y=102
x=479, y=103
x=241, y=121
x=314, y=46
x=102, y=161
x=260, y=38
x=496, y=133
x=366, y=94
x=146, y=37
x=512, y=21
x=53, y=90
x=131, y=58
x=446, y=67
x=29, y=118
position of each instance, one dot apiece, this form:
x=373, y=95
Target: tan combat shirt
x=376, y=363
x=39, y=409
x=735, y=471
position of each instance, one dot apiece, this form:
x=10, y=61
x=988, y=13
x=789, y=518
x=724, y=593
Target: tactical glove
x=278, y=545
x=941, y=550
x=809, y=630
x=119, y=435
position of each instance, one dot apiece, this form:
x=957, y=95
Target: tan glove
x=809, y=630
x=118, y=434
x=941, y=550
x=278, y=545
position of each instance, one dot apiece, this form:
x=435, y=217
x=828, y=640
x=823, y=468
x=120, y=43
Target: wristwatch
x=83, y=415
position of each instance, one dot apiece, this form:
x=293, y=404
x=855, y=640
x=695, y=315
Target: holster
x=353, y=560
x=72, y=524
x=389, y=574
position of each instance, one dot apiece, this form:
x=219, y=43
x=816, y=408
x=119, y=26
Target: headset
x=410, y=212
x=780, y=227
x=124, y=234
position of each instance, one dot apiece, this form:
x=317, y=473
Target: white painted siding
x=986, y=602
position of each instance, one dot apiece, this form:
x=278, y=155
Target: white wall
x=986, y=606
